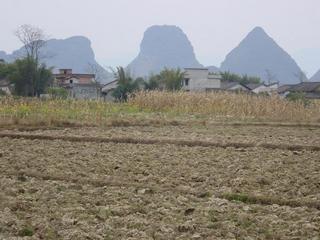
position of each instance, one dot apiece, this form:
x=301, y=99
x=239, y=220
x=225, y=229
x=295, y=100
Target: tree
x=57, y=92
x=29, y=76
x=28, y=79
x=153, y=83
x=4, y=70
x=171, y=79
x=298, y=97
x=244, y=79
x=33, y=39
x=249, y=79
x=126, y=85
x=230, y=77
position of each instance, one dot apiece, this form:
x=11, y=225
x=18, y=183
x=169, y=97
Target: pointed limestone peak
x=163, y=46
x=257, y=55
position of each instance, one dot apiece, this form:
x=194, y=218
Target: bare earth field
x=161, y=182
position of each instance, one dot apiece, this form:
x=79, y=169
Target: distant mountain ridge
x=259, y=55
x=315, y=77
x=163, y=46
x=168, y=46
x=74, y=52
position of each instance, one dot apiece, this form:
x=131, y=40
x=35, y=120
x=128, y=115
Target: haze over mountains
x=75, y=53
x=259, y=55
x=163, y=46
x=168, y=46
x=316, y=77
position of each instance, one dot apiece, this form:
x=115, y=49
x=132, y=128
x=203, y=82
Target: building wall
x=200, y=80
x=6, y=89
x=110, y=86
x=85, y=92
x=108, y=89
x=266, y=89
x=238, y=87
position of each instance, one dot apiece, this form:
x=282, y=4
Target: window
x=186, y=81
x=71, y=81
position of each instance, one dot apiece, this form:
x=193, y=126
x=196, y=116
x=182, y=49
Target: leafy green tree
x=245, y=79
x=28, y=78
x=298, y=97
x=4, y=69
x=167, y=79
x=126, y=85
x=230, y=77
x=171, y=79
x=57, y=92
x=249, y=79
x=154, y=83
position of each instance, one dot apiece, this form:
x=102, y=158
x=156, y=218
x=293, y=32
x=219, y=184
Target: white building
x=108, y=89
x=200, y=79
x=263, y=88
x=6, y=86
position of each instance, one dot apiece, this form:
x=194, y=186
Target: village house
x=234, y=86
x=200, y=79
x=79, y=86
x=108, y=89
x=258, y=88
x=5, y=86
x=311, y=90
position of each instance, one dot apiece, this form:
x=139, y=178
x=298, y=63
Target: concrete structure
x=234, y=86
x=6, y=86
x=108, y=89
x=200, y=79
x=79, y=86
x=66, y=76
x=84, y=91
x=258, y=88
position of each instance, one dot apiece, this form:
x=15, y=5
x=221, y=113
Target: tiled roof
x=285, y=88
x=305, y=87
x=252, y=86
x=227, y=85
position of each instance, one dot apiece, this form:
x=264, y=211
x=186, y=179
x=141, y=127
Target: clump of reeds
x=227, y=105
x=144, y=108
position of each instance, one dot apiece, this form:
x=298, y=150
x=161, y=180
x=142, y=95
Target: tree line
x=167, y=79
x=28, y=75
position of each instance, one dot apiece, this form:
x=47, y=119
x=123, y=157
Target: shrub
x=298, y=97
x=26, y=232
x=57, y=93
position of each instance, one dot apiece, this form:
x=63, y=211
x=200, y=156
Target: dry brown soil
x=161, y=188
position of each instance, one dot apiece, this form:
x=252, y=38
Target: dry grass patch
x=227, y=105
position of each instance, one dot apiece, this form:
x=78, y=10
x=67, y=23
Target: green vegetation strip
x=262, y=200
x=178, y=142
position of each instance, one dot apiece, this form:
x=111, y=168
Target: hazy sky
x=214, y=27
